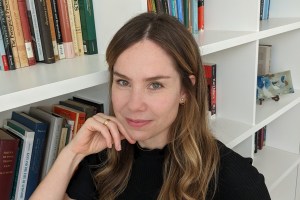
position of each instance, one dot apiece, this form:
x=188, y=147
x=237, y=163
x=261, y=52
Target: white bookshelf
x=231, y=38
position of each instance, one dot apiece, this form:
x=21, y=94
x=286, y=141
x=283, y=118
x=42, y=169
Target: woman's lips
x=137, y=123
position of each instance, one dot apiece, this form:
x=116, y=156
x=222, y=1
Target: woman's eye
x=155, y=86
x=122, y=83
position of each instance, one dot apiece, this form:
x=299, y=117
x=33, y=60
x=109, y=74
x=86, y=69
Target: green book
x=88, y=26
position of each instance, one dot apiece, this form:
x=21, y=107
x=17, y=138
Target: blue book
x=40, y=129
x=180, y=11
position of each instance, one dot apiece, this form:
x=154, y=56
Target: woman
x=156, y=143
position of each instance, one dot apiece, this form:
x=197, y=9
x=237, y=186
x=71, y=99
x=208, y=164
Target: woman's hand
x=98, y=133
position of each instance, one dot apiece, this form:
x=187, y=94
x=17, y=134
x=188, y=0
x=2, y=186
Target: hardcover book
x=98, y=105
x=3, y=61
x=88, y=26
x=45, y=33
x=9, y=146
x=6, y=38
x=211, y=75
x=274, y=85
x=200, y=14
x=88, y=109
x=53, y=136
x=40, y=129
x=26, y=32
x=64, y=19
x=26, y=137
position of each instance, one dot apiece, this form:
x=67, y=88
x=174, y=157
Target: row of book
x=30, y=142
x=260, y=139
x=188, y=12
x=45, y=31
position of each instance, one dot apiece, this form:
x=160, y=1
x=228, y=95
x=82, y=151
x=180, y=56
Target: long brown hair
x=191, y=164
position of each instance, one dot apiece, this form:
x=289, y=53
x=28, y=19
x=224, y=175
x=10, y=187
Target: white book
x=53, y=136
x=34, y=21
x=26, y=137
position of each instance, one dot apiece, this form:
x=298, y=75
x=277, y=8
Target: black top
x=238, y=179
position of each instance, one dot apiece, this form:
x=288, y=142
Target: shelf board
x=43, y=81
x=211, y=41
x=275, y=164
x=270, y=110
x=275, y=26
x=230, y=132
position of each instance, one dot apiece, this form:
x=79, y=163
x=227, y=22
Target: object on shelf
x=271, y=86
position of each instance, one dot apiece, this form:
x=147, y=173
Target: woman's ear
x=193, y=79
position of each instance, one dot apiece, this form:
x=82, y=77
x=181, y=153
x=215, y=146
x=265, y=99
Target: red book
x=5, y=63
x=8, y=154
x=66, y=33
x=210, y=75
x=200, y=14
x=71, y=114
x=26, y=32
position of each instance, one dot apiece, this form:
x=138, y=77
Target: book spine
x=43, y=21
x=35, y=32
x=8, y=155
x=59, y=40
x=25, y=159
x=214, y=90
x=6, y=38
x=26, y=32
x=4, y=64
x=200, y=15
x=194, y=16
x=38, y=149
x=180, y=11
x=72, y=26
x=52, y=29
x=14, y=9
x=78, y=27
x=66, y=28
x=88, y=26
x=12, y=36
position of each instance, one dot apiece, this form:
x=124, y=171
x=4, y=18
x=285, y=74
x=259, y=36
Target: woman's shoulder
x=238, y=178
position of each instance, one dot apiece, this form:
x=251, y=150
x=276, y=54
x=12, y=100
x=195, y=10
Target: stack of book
x=188, y=12
x=31, y=141
x=45, y=31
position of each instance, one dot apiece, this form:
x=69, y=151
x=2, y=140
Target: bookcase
x=232, y=34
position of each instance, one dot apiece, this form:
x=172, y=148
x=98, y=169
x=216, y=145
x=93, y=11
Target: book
x=211, y=76
x=35, y=30
x=88, y=109
x=45, y=33
x=274, y=85
x=78, y=27
x=88, y=26
x=6, y=38
x=3, y=62
x=9, y=147
x=194, y=16
x=26, y=137
x=159, y=6
x=18, y=32
x=40, y=129
x=69, y=113
x=200, y=14
x=264, y=59
x=173, y=8
x=180, y=14
x=264, y=9
x=53, y=136
x=12, y=36
x=59, y=40
x=97, y=104
x=26, y=32
x=63, y=14
x=72, y=26
x=52, y=29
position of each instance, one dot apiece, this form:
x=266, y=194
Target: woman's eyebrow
x=154, y=78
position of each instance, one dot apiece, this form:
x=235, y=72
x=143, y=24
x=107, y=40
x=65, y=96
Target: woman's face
x=146, y=93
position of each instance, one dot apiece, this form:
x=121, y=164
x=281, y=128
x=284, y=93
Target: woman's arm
x=95, y=135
